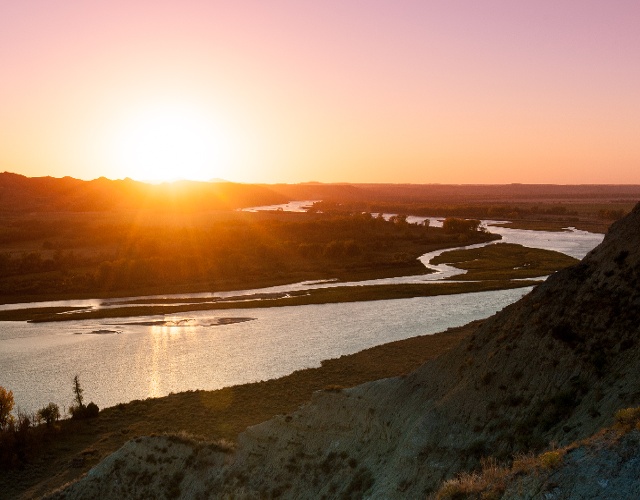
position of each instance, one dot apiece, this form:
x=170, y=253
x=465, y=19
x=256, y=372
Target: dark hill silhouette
x=47, y=194
x=456, y=193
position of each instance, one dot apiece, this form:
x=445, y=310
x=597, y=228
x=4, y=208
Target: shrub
x=458, y=226
x=523, y=463
x=628, y=417
x=92, y=410
x=6, y=406
x=465, y=485
x=551, y=459
x=565, y=333
x=360, y=483
x=49, y=413
x=333, y=388
x=82, y=412
x=79, y=410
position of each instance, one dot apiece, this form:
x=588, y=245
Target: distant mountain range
x=43, y=194
x=47, y=194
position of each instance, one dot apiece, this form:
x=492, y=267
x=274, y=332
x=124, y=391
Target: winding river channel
x=152, y=356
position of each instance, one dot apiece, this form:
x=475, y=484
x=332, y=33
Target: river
x=38, y=361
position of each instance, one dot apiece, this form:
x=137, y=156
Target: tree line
x=122, y=255
x=22, y=434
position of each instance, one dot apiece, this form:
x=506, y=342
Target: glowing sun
x=169, y=142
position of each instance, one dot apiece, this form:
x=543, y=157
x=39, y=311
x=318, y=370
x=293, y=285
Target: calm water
x=38, y=361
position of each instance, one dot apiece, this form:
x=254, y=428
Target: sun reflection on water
x=164, y=338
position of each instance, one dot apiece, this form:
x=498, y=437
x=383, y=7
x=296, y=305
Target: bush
x=334, y=388
x=565, y=333
x=50, y=414
x=6, y=406
x=79, y=410
x=551, y=459
x=628, y=417
x=82, y=412
x=459, y=226
x=92, y=410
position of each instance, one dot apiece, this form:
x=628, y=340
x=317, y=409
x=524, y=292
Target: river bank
x=179, y=349
x=220, y=414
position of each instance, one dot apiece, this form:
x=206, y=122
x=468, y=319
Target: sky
x=419, y=91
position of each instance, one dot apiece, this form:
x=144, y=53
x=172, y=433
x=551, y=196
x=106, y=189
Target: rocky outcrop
x=555, y=366
x=607, y=466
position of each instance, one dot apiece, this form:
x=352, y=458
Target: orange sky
x=333, y=91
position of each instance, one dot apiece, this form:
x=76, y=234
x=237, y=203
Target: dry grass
x=627, y=419
x=551, y=459
x=493, y=479
x=488, y=484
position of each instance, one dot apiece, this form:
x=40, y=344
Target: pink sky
x=332, y=91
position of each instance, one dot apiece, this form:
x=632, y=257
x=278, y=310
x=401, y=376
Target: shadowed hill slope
x=554, y=366
x=606, y=465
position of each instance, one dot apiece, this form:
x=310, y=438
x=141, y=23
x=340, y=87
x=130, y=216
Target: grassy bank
x=393, y=270
x=339, y=294
x=504, y=261
x=593, y=226
x=75, y=446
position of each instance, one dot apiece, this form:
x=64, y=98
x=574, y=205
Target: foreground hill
x=554, y=367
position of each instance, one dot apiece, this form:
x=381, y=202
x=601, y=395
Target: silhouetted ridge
x=48, y=194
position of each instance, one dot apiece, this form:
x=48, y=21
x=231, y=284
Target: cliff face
x=555, y=366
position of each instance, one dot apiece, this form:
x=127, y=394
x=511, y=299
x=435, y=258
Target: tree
x=49, y=413
x=78, y=410
x=399, y=219
x=92, y=410
x=77, y=392
x=458, y=226
x=6, y=406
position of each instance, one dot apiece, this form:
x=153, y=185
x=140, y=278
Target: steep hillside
x=553, y=367
x=606, y=465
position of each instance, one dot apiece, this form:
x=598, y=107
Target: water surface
x=38, y=361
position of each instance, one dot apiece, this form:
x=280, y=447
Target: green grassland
x=504, y=261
